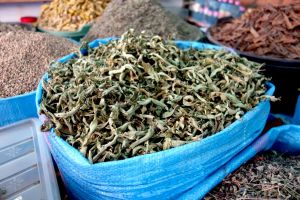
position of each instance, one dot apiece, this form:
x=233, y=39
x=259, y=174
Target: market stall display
x=151, y=113
x=146, y=15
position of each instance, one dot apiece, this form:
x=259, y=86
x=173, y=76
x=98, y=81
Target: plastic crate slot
x=20, y=181
x=16, y=150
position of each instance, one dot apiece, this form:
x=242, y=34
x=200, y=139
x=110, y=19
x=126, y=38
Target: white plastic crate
x=26, y=168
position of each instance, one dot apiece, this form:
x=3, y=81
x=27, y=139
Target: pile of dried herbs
x=140, y=15
x=267, y=176
x=267, y=31
x=140, y=94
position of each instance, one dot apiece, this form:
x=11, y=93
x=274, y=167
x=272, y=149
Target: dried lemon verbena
x=70, y=15
x=141, y=94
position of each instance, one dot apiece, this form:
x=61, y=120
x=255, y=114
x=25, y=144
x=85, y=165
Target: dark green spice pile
x=140, y=94
x=267, y=176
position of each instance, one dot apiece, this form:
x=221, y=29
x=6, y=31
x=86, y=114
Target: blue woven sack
x=283, y=139
x=170, y=174
x=13, y=109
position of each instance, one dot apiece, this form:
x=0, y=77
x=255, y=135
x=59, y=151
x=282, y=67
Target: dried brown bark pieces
x=268, y=31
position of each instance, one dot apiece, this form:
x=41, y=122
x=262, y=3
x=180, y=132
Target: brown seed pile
x=267, y=31
x=148, y=15
x=5, y=27
x=24, y=58
x=268, y=176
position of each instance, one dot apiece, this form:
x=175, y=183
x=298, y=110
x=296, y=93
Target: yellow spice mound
x=70, y=15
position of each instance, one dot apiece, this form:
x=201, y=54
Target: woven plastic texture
x=17, y=108
x=176, y=173
x=283, y=139
x=286, y=138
